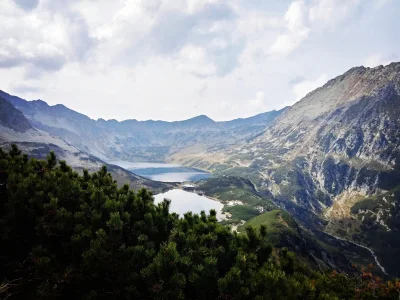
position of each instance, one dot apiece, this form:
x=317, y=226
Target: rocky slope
x=320, y=250
x=335, y=148
x=12, y=118
x=135, y=140
x=16, y=129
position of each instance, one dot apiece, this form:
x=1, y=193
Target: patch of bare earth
x=282, y=221
x=341, y=221
x=195, y=159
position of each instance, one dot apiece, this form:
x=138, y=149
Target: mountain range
x=136, y=140
x=332, y=160
x=16, y=129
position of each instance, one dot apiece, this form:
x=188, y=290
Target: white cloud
x=288, y=42
x=151, y=6
x=330, y=12
x=375, y=60
x=302, y=88
x=128, y=24
x=258, y=101
x=302, y=19
x=194, y=60
x=27, y=4
x=296, y=29
x=381, y=3
x=196, y=5
x=147, y=59
x=296, y=16
x=39, y=40
x=257, y=23
x=27, y=87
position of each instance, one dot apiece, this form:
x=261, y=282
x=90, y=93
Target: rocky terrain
x=248, y=206
x=12, y=118
x=332, y=159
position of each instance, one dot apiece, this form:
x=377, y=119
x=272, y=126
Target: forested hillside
x=68, y=236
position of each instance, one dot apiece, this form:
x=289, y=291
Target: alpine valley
x=323, y=175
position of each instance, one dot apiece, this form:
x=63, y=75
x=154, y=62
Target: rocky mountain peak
x=341, y=92
x=202, y=119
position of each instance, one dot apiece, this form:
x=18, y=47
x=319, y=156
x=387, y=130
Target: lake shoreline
x=163, y=172
x=183, y=201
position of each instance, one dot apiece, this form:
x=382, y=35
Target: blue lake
x=162, y=171
x=183, y=202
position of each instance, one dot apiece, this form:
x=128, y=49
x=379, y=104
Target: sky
x=176, y=59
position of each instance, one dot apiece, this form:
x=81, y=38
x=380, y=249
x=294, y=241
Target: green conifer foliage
x=68, y=236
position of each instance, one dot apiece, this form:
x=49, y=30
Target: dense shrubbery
x=69, y=236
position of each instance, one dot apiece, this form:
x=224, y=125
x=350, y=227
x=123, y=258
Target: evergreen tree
x=70, y=236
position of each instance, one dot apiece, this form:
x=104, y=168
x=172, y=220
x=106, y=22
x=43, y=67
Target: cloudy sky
x=175, y=59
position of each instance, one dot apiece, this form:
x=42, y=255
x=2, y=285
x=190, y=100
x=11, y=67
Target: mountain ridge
x=18, y=101
x=16, y=129
x=136, y=140
x=332, y=159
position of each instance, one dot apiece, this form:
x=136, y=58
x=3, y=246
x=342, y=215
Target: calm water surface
x=162, y=171
x=183, y=202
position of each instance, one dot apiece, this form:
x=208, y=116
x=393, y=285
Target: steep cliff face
x=344, y=146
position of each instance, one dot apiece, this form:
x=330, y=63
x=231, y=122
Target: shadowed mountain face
x=137, y=140
x=12, y=118
x=16, y=129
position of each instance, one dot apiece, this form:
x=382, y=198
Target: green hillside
x=316, y=249
x=275, y=221
x=232, y=188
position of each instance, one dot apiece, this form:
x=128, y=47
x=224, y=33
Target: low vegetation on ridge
x=69, y=236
